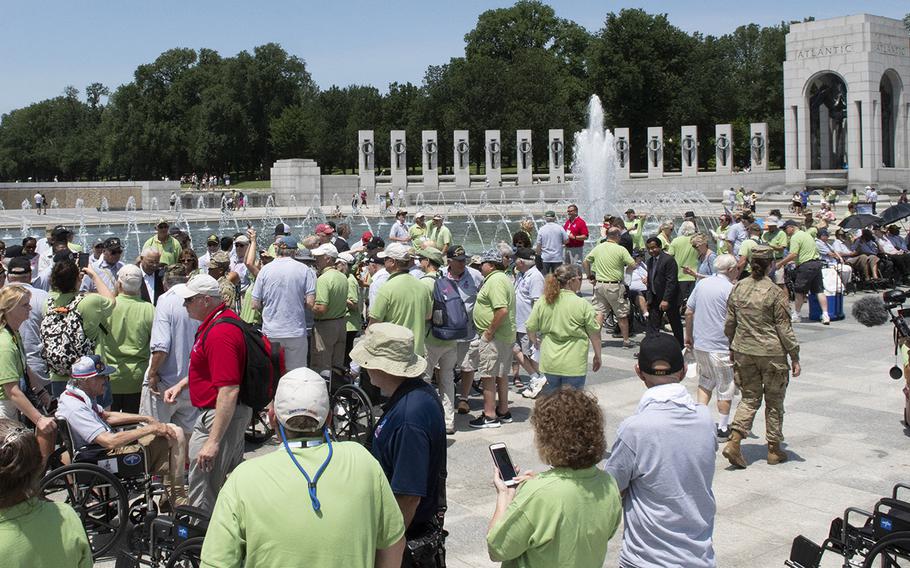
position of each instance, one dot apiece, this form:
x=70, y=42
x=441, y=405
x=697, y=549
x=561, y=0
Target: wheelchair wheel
x=98, y=498
x=258, y=430
x=187, y=554
x=352, y=415
x=893, y=551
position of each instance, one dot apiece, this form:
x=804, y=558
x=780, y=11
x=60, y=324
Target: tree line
x=523, y=67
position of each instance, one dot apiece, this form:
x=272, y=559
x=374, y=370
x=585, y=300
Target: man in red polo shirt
x=578, y=233
x=216, y=369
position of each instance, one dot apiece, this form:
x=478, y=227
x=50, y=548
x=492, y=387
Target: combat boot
x=732, y=451
x=775, y=454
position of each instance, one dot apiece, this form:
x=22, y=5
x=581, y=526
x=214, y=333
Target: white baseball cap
x=301, y=392
x=130, y=274
x=326, y=249
x=201, y=284
x=395, y=251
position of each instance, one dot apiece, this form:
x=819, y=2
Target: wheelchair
x=882, y=540
x=353, y=417
x=113, y=496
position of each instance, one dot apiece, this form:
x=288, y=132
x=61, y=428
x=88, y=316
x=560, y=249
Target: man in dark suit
x=152, y=282
x=663, y=288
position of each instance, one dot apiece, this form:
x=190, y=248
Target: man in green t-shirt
x=606, y=266
x=439, y=234
x=403, y=300
x=265, y=505
x=808, y=276
x=745, y=248
x=681, y=249
x=330, y=311
x=494, y=318
x=777, y=240
x=162, y=241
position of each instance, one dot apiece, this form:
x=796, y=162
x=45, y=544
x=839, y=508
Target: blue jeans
x=555, y=382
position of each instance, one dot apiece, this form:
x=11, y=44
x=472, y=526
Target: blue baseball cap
x=288, y=242
x=89, y=366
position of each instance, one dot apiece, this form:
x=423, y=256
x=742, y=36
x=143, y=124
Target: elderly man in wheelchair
x=95, y=436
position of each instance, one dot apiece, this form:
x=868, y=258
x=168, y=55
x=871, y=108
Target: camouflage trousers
x=761, y=377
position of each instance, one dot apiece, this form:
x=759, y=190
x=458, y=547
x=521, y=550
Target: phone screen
x=503, y=462
x=83, y=259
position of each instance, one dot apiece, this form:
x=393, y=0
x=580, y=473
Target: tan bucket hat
x=390, y=348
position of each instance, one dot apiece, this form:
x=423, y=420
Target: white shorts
x=715, y=371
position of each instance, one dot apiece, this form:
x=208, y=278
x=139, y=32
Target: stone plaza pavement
x=843, y=430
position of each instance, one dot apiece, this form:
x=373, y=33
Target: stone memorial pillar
x=398, y=156
x=461, y=165
x=493, y=153
x=524, y=157
x=655, y=147
x=688, y=148
x=557, y=154
x=723, y=147
x=430, y=159
x=758, y=146
x=366, y=159
x=623, y=145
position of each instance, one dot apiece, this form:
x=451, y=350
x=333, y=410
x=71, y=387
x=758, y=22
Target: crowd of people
x=159, y=341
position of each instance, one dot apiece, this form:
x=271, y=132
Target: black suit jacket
x=159, y=288
x=662, y=278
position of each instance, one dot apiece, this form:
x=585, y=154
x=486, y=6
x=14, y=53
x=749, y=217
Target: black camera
x=895, y=299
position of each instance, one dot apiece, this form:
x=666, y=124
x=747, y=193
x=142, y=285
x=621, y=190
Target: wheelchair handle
x=847, y=512
x=897, y=487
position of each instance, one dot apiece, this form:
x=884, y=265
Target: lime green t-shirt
x=776, y=239
x=43, y=534
x=685, y=254
x=332, y=291
x=745, y=248
x=247, y=313
x=429, y=280
x=561, y=517
x=170, y=250
x=96, y=312
x=720, y=237
x=403, y=300
x=803, y=245
x=264, y=516
x=496, y=292
x=126, y=346
x=566, y=324
x=664, y=240
x=609, y=261
x=354, y=316
x=12, y=359
x=74, y=247
x=417, y=233
x=442, y=236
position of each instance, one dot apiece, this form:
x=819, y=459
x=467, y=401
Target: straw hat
x=390, y=348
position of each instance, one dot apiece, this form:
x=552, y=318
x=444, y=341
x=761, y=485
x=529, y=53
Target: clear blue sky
x=49, y=44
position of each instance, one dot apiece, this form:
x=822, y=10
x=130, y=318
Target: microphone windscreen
x=871, y=311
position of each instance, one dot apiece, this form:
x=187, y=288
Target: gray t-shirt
x=709, y=302
x=30, y=331
x=83, y=415
x=173, y=332
x=736, y=234
x=399, y=230
x=528, y=288
x=663, y=458
x=551, y=237
x=283, y=286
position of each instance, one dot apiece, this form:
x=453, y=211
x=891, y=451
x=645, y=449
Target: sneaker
x=462, y=407
x=532, y=391
x=794, y=318
x=504, y=418
x=723, y=433
x=450, y=430
x=628, y=344
x=483, y=421
x=826, y=319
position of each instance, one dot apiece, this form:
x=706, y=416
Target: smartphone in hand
x=83, y=259
x=503, y=463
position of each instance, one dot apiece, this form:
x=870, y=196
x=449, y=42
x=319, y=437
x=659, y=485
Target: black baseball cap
x=524, y=253
x=282, y=229
x=19, y=265
x=13, y=251
x=64, y=256
x=790, y=223
x=660, y=347
x=456, y=253
x=113, y=243
x=375, y=243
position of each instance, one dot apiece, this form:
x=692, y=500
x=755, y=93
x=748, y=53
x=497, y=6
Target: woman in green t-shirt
x=14, y=311
x=34, y=532
x=564, y=516
x=567, y=324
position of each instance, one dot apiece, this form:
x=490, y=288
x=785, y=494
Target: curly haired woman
x=564, y=516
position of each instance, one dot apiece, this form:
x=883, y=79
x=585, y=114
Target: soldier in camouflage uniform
x=761, y=337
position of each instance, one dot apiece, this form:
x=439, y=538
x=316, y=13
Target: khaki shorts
x=467, y=357
x=495, y=358
x=522, y=344
x=611, y=298
x=715, y=371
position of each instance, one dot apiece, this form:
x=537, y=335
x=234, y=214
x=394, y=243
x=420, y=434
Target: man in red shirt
x=578, y=233
x=216, y=369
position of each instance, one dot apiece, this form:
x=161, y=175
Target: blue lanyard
x=311, y=483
